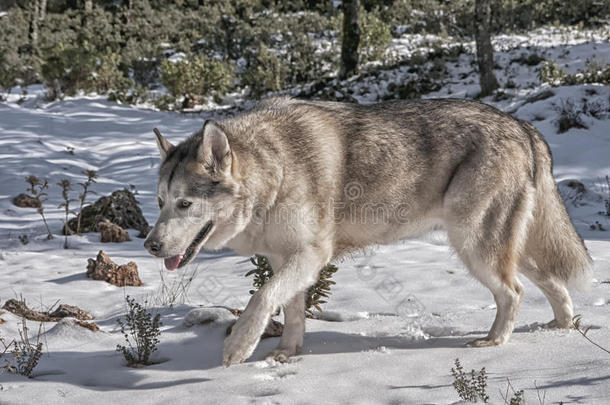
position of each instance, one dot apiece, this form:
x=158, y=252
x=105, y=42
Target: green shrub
x=470, y=386
x=265, y=72
x=145, y=72
x=413, y=88
x=293, y=34
x=551, y=73
x=196, y=78
x=594, y=72
x=17, y=64
x=298, y=60
x=141, y=332
x=307, y=61
x=375, y=37
x=315, y=295
x=528, y=14
x=107, y=76
x=456, y=17
x=67, y=69
x=134, y=95
x=8, y=74
x=164, y=102
x=262, y=271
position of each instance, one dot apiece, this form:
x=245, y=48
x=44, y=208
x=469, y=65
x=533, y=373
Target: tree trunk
x=485, y=52
x=351, y=38
x=34, y=21
x=43, y=9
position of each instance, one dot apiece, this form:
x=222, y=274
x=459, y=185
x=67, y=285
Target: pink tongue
x=171, y=263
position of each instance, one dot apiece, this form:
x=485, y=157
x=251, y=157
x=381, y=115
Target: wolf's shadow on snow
x=105, y=370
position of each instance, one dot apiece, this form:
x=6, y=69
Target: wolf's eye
x=160, y=202
x=184, y=204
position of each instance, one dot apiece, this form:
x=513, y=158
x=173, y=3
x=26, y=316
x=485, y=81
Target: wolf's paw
x=240, y=344
x=555, y=324
x=485, y=342
x=236, y=351
x=282, y=355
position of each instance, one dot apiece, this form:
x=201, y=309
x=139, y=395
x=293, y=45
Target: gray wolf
x=305, y=182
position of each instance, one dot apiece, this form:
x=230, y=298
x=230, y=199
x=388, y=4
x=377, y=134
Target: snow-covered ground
x=397, y=318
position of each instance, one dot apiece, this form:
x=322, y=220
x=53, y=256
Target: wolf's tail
x=552, y=241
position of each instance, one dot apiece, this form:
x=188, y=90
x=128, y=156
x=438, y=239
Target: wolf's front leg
x=297, y=273
x=294, y=329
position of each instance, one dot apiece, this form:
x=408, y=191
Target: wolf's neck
x=260, y=178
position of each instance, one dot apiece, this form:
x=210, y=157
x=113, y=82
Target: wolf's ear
x=215, y=151
x=163, y=144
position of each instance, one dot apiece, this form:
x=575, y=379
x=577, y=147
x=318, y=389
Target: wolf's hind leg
x=294, y=329
x=488, y=235
x=507, y=293
x=554, y=290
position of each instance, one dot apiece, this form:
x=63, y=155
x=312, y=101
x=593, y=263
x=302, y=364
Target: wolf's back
x=553, y=242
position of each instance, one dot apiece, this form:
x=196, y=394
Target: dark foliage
x=141, y=331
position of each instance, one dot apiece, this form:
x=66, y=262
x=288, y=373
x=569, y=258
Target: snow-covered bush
x=21, y=356
x=141, y=331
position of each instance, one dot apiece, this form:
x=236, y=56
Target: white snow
x=397, y=318
x=175, y=57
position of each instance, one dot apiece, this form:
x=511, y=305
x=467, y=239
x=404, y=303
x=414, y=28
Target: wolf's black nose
x=153, y=247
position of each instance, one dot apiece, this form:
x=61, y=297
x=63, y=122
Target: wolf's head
x=197, y=195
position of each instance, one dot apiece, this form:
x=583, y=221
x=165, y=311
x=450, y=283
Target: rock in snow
x=25, y=201
x=120, y=207
x=112, y=232
x=102, y=268
x=205, y=315
x=19, y=308
x=222, y=316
